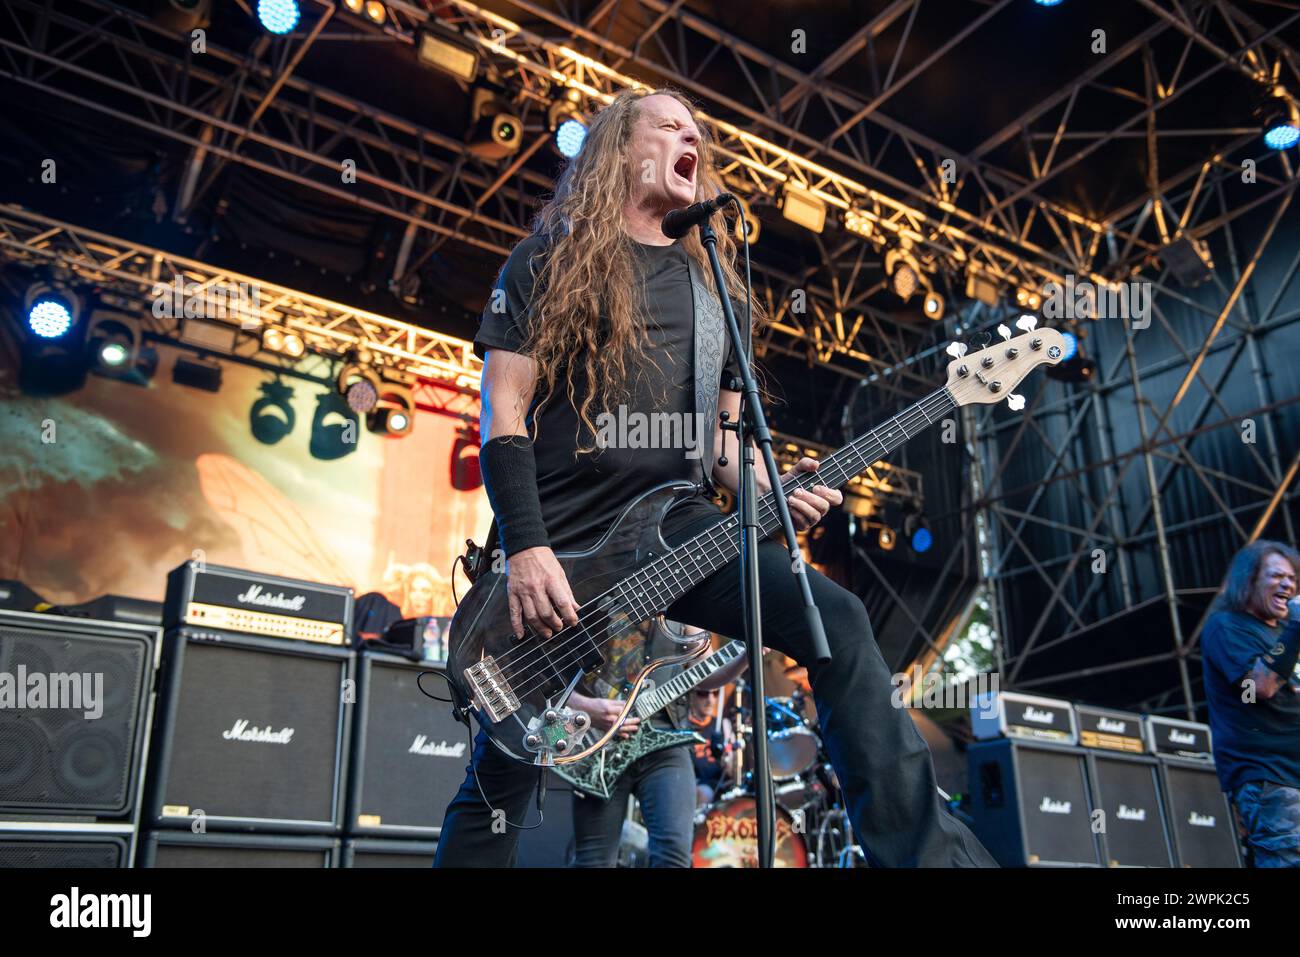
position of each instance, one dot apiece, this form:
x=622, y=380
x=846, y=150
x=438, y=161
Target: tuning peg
x=1027, y=323
x=1017, y=402
x=1003, y=331
x=956, y=349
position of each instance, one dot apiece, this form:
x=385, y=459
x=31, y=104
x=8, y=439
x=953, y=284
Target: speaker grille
x=255, y=737
x=1128, y=793
x=53, y=852
x=411, y=757
x=1054, y=802
x=55, y=758
x=1204, y=830
x=222, y=856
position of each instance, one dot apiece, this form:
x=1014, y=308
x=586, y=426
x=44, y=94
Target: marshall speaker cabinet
x=1031, y=804
x=251, y=733
x=409, y=754
x=183, y=849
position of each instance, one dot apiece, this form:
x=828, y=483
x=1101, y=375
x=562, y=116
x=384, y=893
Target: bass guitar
x=517, y=687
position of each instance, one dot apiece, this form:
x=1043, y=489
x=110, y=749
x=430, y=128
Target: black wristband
x=510, y=477
x=1281, y=658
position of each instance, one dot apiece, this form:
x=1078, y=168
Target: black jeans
x=664, y=783
x=882, y=762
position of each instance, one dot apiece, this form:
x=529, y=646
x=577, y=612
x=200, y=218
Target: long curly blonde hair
x=589, y=269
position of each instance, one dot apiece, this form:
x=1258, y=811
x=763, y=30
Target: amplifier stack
x=1055, y=784
x=75, y=704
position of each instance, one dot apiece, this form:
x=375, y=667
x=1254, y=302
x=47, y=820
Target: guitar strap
x=711, y=349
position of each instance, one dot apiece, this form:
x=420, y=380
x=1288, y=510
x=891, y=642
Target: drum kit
x=812, y=828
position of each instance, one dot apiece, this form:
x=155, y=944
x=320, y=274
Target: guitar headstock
x=984, y=377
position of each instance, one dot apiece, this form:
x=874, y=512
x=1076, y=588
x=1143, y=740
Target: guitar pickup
x=491, y=691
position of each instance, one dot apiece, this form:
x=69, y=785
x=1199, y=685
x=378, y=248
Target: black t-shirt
x=707, y=755
x=1257, y=741
x=582, y=494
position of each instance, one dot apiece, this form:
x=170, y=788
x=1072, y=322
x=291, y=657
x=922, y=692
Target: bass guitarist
x=594, y=320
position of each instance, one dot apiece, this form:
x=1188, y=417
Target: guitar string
x=917, y=415
x=708, y=538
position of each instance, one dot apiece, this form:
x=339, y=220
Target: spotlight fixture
x=197, y=373
x=569, y=137
x=355, y=6
x=278, y=16
x=376, y=11
x=446, y=50
x=904, y=273
x=1028, y=299
x=53, y=343
x=802, y=208
x=360, y=387
x=272, y=417
x=465, y=472
x=394, y=413
x=858, y=223
x=932, y=305
x=114, y=341
x=282, y=341
x=1048, y=3
x=1280, y=120
x=1075, y=366
x=915, y=528
x=887, y=539
x=495, y=132
x=981, y=288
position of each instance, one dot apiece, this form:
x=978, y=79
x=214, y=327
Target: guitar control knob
x=995, y=386
x=532, y=741
x=1012, y=352
x=562, y=745
x=987, y=362
x=1035, y=343
x=963, y=371
x=580, y=721
x=550, y=716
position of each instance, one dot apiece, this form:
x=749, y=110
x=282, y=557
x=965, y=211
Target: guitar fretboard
x=659, y=583
x=648, y=704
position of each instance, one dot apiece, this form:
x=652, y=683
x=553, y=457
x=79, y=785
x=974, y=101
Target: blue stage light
x=1047, y=3
x=922, y=540
x=1281, y=136
x=1071, y=345
x=49, y=318
x=278, y=16
x=569, y=137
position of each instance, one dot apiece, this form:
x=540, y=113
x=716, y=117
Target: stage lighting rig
x=746, y=220
x=394, y=413
x=802, y=208
x=282, y=341
x=115, y=344
x=272, y=417
x=566, y=121
x=904, y=272
x=278, y=16
x=360, y=385
x=446, y=50
x=495, y=131
x=1279, y=119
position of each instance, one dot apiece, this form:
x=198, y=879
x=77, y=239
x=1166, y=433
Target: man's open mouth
x=685, y=167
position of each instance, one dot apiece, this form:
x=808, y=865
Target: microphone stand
x=753, y=421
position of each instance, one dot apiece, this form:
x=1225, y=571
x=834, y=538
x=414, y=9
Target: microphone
x=679, y=222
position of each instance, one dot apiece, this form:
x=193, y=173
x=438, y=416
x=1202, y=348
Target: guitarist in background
x=663, y=781
x=593, y=314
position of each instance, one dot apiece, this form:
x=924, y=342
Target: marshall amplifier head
x=996, y=714
x=1169, y=737
x=1107, y=730
x=209, y=597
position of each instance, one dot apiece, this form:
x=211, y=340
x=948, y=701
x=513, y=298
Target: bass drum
x=726, y=835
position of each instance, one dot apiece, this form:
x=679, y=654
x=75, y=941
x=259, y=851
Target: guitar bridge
x=491, y=692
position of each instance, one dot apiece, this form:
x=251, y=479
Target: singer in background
x=594, y=315
x=1251, y=643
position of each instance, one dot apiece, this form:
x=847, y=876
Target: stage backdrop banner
x=105, y=489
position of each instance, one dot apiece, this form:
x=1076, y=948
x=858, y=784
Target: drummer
x=719, y=741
